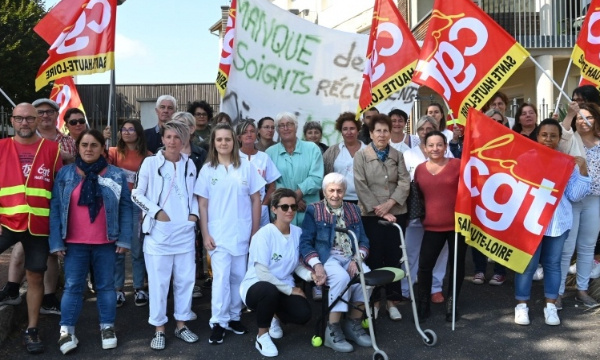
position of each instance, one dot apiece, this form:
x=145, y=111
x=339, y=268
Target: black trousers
x=384, y=250
x=264, y=298
x=432, y=245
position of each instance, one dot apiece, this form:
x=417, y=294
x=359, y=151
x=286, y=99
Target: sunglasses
x=286, y=207
x=76, y=121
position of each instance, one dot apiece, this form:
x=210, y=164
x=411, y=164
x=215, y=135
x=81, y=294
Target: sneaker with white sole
x=217, y=334
x=236, y=327
x=265, y=345
x=595, y=270
x=186, y=335
x=67, y=343
x=10, y=295
x=120, y=298
x=588, y=301
x=317, y=293
x=109, y=338
x=551, y=315
x=522, y=314
x=497, y=280
x=539, y=273
x=335, y=338
x=478, y=278
x=275, y=330
x=140, y=298
x=197, y=292
x=158, y=341
x=356, y=333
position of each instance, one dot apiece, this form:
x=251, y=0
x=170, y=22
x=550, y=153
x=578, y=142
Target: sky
x=163, y=42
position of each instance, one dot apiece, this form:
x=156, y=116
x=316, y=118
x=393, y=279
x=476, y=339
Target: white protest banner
x=284, y=63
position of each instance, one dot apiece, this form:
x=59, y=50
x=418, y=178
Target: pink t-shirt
x=26, y=155
x=80, y=230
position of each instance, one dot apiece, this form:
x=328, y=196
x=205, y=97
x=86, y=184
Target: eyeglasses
x=74, y=122
x=199, y=114
x=287, y=207
x=289, y=125
x=47, y=112
x=19, y=119
x=128, y=130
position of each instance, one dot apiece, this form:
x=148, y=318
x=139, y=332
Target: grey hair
x=427, y=119
x=334, y=178
x=181, y=129
x=285, y=115
x=185, y=117
x=168, y=98
x=311, y=125
x=492, y=112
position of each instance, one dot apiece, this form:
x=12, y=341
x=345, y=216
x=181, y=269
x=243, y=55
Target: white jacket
x=149, y=184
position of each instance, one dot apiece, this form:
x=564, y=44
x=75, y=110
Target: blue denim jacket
x=117, y=204
x=318, y=231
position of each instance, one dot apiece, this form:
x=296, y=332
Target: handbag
x=415, y=202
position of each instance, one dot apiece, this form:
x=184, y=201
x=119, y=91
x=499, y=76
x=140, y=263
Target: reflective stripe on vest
x=21, y=209
x=13, y=190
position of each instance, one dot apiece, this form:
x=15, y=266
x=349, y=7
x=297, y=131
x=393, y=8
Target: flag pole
x=563, y=85
x=555, y=84
x=111, y=95
x=7, y=98
x=454, y=281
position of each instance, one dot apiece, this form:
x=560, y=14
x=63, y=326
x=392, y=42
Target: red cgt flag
x=506, y=195
x=64, y=92
x=227, y=52
x=391, y=56
x=466, y=56
x=82, y=34
x=586, y=53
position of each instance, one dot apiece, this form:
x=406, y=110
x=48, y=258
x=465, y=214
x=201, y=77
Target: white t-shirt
x=344, y=164
x=266, y=168
x=272, y=249
x=402, y=146
x=228, y=192
x=414, y=157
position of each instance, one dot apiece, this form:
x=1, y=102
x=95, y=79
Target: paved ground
x=485, y=331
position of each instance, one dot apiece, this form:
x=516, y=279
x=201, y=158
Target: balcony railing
x=539, y=23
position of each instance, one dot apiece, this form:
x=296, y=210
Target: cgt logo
x=448, y=64
x=72, y=39
x=497, y=215
x=42, y=173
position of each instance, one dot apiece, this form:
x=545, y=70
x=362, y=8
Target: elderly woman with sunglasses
x=332, y=256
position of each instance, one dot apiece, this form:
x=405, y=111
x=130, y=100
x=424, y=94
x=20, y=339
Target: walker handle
x=342, y=230
x=385, y=223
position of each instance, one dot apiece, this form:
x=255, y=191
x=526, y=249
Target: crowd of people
x=261, y=206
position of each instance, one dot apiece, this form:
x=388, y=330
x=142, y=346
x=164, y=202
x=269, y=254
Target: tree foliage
x=22, y=51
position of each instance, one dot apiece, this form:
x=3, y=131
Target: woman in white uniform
x=164, y=190
x=229, y=199
x=246, y=133
x=268, y=287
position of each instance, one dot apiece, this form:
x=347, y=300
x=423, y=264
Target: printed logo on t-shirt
x=42, y=173
x=213, y=181
x=26, y=170
x=276, y=257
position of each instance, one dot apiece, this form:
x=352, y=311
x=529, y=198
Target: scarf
x=381, y=154
x=91, y=193
x=341, y=241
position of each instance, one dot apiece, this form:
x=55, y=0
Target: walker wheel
x=380, y=355
x=431, y=337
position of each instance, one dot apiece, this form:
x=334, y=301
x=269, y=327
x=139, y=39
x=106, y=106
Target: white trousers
x=413, y=239
x=336, y=268
x=228, y=273
x=160, y=268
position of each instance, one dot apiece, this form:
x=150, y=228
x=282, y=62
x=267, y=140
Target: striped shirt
x=562, y=219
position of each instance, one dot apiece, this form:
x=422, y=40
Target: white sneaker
x=265, y=346
x=551, y=314
x=573, y=269
x=595, y=270
x=275, y=331
x=522, y=314
x=67, y=342
x=539, y=273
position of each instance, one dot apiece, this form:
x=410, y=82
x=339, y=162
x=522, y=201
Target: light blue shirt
x=303, y=170
x=562, y=219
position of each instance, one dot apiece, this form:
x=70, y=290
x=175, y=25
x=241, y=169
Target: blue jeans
x=480, y=263
x=137, y=258
x=583, y=237
x=548, y=254
x=78, y=259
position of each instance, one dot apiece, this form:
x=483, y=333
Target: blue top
x=562, y=219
